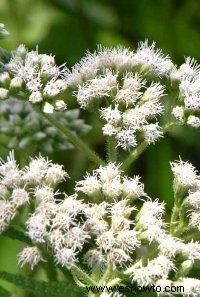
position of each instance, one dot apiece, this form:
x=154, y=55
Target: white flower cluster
x=127, y=79
x=133, y=106
x=115, y=241
x=36, y=74
x=16, y=190
x=124, y=85
x=185, y=174
x=188, y=77
x=151, y=228
x=146, y=58
x=188, y=177
x=107, y=183
x=108, y=221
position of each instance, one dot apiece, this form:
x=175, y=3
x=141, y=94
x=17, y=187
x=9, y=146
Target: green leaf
x=4, y=292
x=41, y=288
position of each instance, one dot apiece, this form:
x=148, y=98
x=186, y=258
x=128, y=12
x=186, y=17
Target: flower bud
x=4, y=78
x=3, y=32
x=16, y=83
x=4, y=93
x=48, y=108
x=35, y=97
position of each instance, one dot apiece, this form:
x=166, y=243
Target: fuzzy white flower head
x=66, y=257
x=152, y=226
x=191, y=250
x=55, y=174
x=132, y=187
x=108, y=172
x=121, y=209
x=154, y=92
x=190, y=90
x=47, y=59
x=169, y=245
x=134, y=119
x=195, y=219
x=152, y=132
x=54, y=87
x=193, y=121
x=178, y=113
x=112, y=188
x=127, y=240
x=106, y=241
x=85, y=69
x=109, y=130
x=185, y=173
x=35, y=172
x=46, y=208
x=3, y=191
x=113, y=116
x=56, y=239
x=96, y=210
x=151, y=109
x=30, y=256
x=94, y=258
x=126, y=139
x=119, y=57
x=120, y=223
x=118, y=257
x=98, y=87
x=90, y=185
x=130, y=91
x=44, y=194
x=76, y=237
x=7, y=213
x=96, y=226
x=19, y=197
x=158, y=268
x=37, y=227
x=11, y=176
x=152, y=59
x=62, y=221
x=72, y=206
x=194, y=199
x=153, y=208
x=190, y=68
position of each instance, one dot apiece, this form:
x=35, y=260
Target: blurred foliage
x=67, y=28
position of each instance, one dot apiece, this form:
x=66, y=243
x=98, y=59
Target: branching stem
x=75, y=140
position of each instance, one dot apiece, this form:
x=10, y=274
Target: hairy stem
x=134, y=155
x=112, y=151
x=75, y=140
x=143, y=146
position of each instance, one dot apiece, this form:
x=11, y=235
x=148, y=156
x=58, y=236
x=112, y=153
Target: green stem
x=134, y=155
x=80, y=274
x=193, y=236
x=143, y=146
x=112, y=152
x=75, y=140
x=18, y=235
